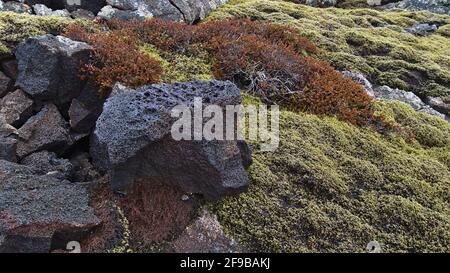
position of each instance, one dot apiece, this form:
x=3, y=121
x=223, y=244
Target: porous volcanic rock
x=49, y=68
x=133, y=140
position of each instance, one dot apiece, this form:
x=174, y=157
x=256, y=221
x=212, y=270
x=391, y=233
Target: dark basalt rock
x=71, y=5
x=45, y=162
x=8, y=141
x=39, y=213
x=6, y=84
x=16, y=108
x=132, y=140
x=47, y=130
x=49, y=68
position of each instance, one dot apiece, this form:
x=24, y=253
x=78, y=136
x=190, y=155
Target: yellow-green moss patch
x=16, y=27
x=333, y=187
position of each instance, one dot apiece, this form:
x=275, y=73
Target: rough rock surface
x=109, y=12
x=83, y=171
x=189, y=11
x=361, y=79
x=132, y=139
x=71, y=5
x=5, y=84
x=49, y=67
x=8, y=140
x=83, y=14
x=47, y=130
x=16, y=107
x=320, y=3
x=438, y=6
x=439, y=104
x=39, y=213
x=385, y=92
x=204, y=235
x=422, y=29
x=43, y=10
x=16, y=7
x=85, y=109
x=45, y=162
x=9, y=67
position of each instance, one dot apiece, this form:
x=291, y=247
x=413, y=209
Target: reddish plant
x=271, y=61
x=116, y=58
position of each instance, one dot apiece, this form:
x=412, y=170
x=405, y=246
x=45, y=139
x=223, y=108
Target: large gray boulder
x=47, y=130
x=49, y=68
x=39, y=213
x=132, y=139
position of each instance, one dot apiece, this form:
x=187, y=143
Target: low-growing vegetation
x=15, y=27
x=271, y=61
x=334, y=187
x=372, y=42
x=116, y=57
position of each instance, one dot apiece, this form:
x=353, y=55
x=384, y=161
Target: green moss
x=179, y=67
x=365, y=40
x=333, y=187
x=16, y=27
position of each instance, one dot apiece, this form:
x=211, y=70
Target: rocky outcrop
x=39, y=213
x=70, y=5
x=439, y=104
x=132, y=139
x=438, y=6
x=385, y=92
x=49, y=68
x=189, y=11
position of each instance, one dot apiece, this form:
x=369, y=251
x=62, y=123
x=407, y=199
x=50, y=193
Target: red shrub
x=270, y=61
x=117, y=58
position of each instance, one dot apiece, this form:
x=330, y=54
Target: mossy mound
x=180, y=68
x=15, y=27
x=333, y=187
x=365, y=40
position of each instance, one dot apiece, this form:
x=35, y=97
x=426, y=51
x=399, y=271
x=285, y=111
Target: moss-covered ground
x=365, y=40
x=16, y=27
x=333, y=187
